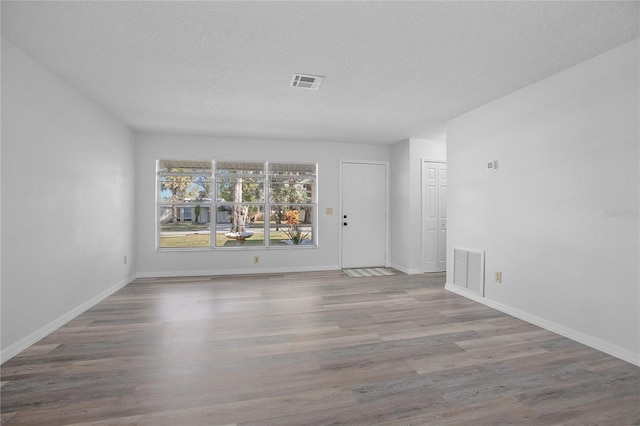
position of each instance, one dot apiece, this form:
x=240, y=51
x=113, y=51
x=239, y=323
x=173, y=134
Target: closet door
x=434, y=216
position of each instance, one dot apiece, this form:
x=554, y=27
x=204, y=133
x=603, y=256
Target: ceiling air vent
x=305, y=81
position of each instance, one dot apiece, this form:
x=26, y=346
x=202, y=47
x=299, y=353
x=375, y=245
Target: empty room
x=320, y=213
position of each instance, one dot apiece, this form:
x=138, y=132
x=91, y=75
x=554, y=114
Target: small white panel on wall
x=468, y=269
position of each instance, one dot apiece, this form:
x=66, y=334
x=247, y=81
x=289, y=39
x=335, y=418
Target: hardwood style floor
x=310, y=349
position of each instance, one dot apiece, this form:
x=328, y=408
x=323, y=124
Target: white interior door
x=364, y=214
x=434, y=216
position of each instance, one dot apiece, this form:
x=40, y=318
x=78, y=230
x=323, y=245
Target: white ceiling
x=393, y=70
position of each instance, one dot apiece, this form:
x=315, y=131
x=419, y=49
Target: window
x=292, y=196
x=239, y=203
x=242, y=204
x=184, y=203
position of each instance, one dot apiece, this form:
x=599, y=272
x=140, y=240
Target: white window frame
x=214, y=203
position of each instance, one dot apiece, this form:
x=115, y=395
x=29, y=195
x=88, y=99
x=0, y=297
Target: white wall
x=406, y=200
x=150, y=147
x=399, y=209
x=560, y=216
x=67, y=202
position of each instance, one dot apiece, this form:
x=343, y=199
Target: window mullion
x=213, y=207
x=267, y=206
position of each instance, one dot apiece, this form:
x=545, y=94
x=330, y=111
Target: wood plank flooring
x=310, y=349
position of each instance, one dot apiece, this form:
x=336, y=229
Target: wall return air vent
x=468, y=269
x=306, y=81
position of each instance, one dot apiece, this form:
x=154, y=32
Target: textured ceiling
x=393, y=70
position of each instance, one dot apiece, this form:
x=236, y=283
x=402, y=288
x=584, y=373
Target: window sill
x=284, y=246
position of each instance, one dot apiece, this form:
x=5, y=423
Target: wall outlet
x=256, y=259
x=125, y=260
x=498, y=277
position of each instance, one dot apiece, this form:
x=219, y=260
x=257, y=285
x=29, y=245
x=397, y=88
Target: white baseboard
x=593, y=342
x=244, y=271
x=408, y=271
x=34, y=337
